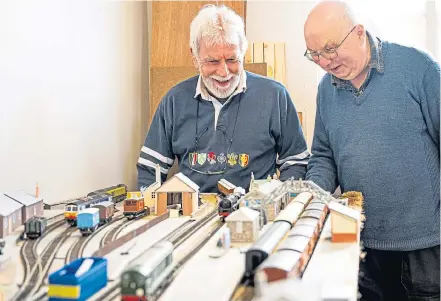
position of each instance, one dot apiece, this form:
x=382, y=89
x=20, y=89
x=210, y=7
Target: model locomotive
x=118, y=192
x=134, y=205
x=146, y=275
x=72, y=208
x=228, y=204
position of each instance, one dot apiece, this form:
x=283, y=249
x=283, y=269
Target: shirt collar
x=201, y=90
x=377, y=60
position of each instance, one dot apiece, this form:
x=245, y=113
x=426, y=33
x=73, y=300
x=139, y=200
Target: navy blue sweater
x=259, y=123
x=386, y=144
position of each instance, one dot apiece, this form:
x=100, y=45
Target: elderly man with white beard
x=226, y=122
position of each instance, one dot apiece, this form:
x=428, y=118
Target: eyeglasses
x=212, y=63
x=327, y=53
x=194, y=157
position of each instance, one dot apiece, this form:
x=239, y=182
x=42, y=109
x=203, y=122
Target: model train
x=35, y=227
x=134, y=205
x=293, y=253
x=72, y=208
x=228, y=204
x=89, y=219
x=268, y=242
x=118, y=192
x=145, y=277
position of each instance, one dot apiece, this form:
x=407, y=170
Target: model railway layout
x=281, y=252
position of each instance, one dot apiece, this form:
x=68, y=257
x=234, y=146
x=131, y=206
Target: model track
x=77, y=249
x=176, y=237
x=36, y=266
x=189, y=255
x=179, y=237
x=112, y=235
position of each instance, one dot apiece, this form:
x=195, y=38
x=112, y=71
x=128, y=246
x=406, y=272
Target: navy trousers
x=396, y=276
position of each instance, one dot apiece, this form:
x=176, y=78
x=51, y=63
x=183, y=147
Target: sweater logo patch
x=211, y=157
x=201, y=158
x=232, y=159
x=193, y=158
x=243, y=160
x=221, y=158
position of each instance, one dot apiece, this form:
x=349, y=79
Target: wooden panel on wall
x=171, y=29
x=187, y=204
x=161, y=203
x=163, y=79
x=271, y=53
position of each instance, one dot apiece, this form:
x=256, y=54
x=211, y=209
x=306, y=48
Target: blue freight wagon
x=78, y=280
x=88, y=220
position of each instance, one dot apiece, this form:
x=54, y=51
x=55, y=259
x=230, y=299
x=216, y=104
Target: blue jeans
x=406, y=276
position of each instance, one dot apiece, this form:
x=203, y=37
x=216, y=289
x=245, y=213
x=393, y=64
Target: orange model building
x=345, y=223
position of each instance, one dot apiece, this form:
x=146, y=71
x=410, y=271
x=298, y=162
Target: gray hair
x=218, y=25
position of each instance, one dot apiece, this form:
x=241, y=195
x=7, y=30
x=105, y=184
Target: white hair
x=218, y=25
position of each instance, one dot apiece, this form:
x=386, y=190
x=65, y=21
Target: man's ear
x=194, y=60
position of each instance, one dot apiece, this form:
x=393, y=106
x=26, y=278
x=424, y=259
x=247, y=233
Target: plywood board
x=171, y=29
x=249, y=54
x=280, y=69
x=258, y=52
x=163, y=79
x=269, y=58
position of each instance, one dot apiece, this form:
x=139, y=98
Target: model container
x=35, y=227
x=78, y=280
x=106, y=211
x=88, y=220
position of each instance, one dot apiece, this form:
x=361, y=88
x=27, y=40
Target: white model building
x=244, y=225
x=149, y=193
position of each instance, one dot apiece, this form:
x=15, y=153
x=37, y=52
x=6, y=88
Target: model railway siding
x=191, y=252
x=28, y=251
x=36, y=267
x=179, y=238
x=108, y=248
x=112, y=235
x=175, y=240
x=77, y=249
x=174, y=233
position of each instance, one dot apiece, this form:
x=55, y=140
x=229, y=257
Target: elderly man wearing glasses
x=377, y=131
x=225, y=122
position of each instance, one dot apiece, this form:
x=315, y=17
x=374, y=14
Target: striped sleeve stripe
x=298, y=157
x=149, y=163
x=289, y=163
x=157, y=155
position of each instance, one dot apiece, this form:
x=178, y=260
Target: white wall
x=413, y=24
x=71, y=89
x=282, y=21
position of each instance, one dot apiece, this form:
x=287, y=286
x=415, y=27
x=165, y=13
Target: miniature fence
x=129, y=236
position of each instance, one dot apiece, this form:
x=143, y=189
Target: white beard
x=221, y=92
